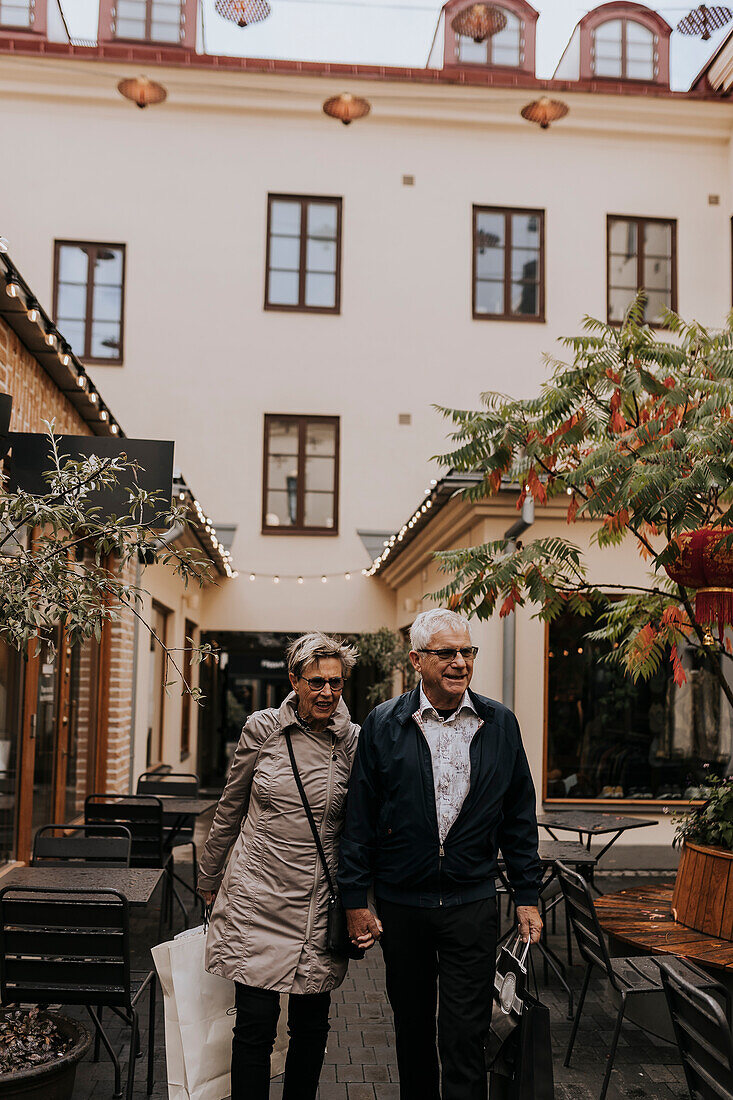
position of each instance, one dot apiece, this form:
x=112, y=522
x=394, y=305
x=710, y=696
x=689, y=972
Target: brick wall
x=37, y=398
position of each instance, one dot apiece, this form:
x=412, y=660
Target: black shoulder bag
x=337, y=937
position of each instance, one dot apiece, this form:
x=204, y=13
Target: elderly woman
x=269, y=920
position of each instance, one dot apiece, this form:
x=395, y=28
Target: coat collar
x=339, y=723
x=410, y=702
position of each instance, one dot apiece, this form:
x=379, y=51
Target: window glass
x=16, y=13
x=300, y=473
x=303, y=274
x=10, y=716
x=504, y=48
x=611, y=738
x=507, y=285
x=641, y=254
x=89, y=298
x=149, y=20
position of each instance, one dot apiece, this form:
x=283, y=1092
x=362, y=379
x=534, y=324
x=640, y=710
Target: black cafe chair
x=72, y=947
x=182, y=785
x=635, y=983
x=143, y=816
x=76, y=845
x=703, y=1034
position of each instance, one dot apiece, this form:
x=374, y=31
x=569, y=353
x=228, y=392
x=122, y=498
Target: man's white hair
x=429, y=623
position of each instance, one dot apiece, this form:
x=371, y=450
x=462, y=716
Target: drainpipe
x=509, y=625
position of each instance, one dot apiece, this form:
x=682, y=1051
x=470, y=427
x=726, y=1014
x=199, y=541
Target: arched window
x=624, y=49
x=505, y=48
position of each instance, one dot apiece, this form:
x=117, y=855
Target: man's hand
x=364, y=928
x=530, y=922
x=208, y=896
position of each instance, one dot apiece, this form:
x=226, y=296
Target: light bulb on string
x=251, y=576
x=275, y=580
x=300, y=580
x=51, y=339
x=324, y=580
x=347, y=576
x=33, y=314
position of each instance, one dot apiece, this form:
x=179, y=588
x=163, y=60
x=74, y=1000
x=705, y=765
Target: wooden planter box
x=703, y=892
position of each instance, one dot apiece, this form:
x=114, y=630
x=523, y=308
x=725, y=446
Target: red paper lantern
x=704, y=562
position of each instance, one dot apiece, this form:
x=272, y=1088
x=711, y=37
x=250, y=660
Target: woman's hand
x=364, y=928
x=208, y=896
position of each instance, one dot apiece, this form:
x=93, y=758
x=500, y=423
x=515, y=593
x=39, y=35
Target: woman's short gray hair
x=430, y=622
x=312, y=647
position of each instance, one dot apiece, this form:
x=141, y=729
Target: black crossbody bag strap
x=309, y=815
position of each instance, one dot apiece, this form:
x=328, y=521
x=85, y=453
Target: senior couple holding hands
x=411, y=813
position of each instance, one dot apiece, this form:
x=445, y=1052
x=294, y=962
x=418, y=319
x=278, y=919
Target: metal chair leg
x=97, y=1039
x=568, y=937
x=134, y=1032
x=612, y=1051
x=151, y=1037
x=576, y=1021
x=102, y=1034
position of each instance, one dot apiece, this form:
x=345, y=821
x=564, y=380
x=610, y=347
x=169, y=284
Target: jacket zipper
x=441, y=857
x=329, y=792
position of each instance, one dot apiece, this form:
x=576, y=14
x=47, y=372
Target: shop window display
x=611, y=738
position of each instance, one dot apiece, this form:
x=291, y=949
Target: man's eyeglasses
x=318, y=683
x=468, y=652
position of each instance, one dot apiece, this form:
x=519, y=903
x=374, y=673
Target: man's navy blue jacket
x=390, y=838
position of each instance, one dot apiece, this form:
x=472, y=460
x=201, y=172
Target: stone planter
x=703, y=892
x=51, y=1080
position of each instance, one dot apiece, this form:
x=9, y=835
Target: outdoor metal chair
x=703, y=1035
x=95, y=845
x=183, y=785
x=636, y=983
x=143, y=816
x=72, y=947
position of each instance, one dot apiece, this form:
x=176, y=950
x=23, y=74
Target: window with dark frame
x=610, y=738
x=150, y=20
x=19, y=14
x=508, y=264
x=303, y=254
x=301, y=475
x=89, y=289
x=642, y=252
x=624, y=49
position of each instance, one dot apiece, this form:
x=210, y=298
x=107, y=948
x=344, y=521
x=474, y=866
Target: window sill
x=302, y=309
x=320, y=532
x=522, y=319
x=89, y=362
x=651, y=805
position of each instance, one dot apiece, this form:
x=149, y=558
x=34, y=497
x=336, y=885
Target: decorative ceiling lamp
x=143, y=92
x=705, y=563
x=346, y=107
x=479, y=22
x=243, y=12
x=704, y=20
x=544, y=111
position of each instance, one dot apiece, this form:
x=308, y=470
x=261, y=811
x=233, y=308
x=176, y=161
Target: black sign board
x=31, y=458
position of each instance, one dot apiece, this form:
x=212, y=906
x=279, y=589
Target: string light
x=275, y=580
x=93, y=397
x=33, y=313
x=81, y=381
x=12, y=288
x=114, y=429
x=103, y=414
x=51, y=339
x=324, y=580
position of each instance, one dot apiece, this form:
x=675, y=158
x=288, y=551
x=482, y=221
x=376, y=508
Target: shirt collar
x=426, y=707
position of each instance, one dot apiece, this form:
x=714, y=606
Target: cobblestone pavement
x=360, y=1060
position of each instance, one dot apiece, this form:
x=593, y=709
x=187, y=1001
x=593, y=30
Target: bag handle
x=513, y=951
x=309, y=815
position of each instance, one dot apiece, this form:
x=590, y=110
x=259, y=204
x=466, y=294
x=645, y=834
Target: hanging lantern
x=705, y=563
x=346, y=107
x=704, y=20
x=243, y=12
x=143, y=92
x=479, y=22
x=544, y=111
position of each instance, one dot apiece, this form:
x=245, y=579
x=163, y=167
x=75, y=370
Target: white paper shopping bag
x=199, y=1017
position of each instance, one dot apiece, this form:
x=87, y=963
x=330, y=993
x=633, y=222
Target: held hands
x=364, y=928
x=530, y=923
x=208, y=896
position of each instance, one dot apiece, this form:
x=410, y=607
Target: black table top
x=137, y=884
x=594, y=822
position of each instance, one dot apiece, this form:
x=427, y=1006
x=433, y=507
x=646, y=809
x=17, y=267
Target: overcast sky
x=388, y=32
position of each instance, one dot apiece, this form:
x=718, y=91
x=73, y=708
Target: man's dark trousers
x=441, y=957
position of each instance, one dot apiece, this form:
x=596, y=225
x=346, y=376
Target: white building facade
x=289, y=298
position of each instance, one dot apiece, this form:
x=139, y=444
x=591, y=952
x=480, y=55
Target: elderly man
x=440, y=783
